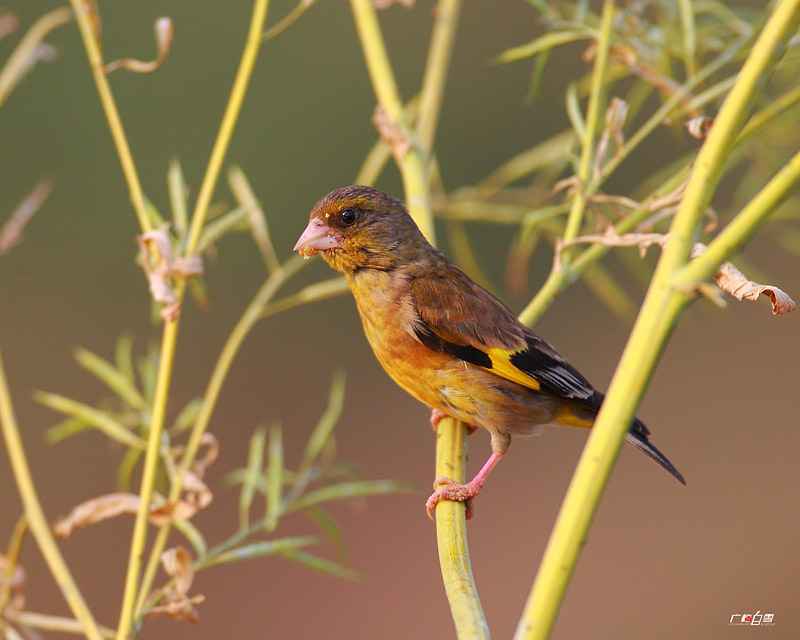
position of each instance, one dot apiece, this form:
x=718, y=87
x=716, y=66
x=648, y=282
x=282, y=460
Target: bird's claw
x=437, y=415
x=447, y=489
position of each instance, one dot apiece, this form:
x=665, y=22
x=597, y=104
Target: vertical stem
x=444, y=31
x=165, y=362
x=451, y=534
x=81, y=10
x=659, y=314
x=240, y=84
x=412, y=164
x=234, y=342
x=593, y=118
x=36, y=518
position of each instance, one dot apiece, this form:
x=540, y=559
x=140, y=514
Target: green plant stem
x=249, y=56
x=559, y=279
x=451, y=534
x=81, y=9
x=659, y=314
x=35, y=515
x=232, y=345
x=165, y=364
x=438, y=63
x=412, y=163
x=743, y=227
x=593, y=123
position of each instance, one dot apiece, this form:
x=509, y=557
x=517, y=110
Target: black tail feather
x=638, y=438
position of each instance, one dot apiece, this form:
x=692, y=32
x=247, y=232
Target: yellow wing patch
x=501, y=365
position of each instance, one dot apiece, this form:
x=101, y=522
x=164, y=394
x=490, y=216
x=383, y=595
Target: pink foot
x=447, y=489
x=437, y=415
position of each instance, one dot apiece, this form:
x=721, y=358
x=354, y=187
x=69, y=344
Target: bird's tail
x=637, y=436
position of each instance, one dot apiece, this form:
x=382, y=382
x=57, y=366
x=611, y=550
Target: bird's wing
x=460, y=318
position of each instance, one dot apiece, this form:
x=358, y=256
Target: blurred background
x=662, y=560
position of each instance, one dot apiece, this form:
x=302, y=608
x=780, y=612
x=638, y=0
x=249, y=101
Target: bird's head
x=360, y=227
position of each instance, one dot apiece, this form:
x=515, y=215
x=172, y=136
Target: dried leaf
x=96, y=510
x=9, y=23
x=158, y=274
x=615, y=119
x=201, y=463
x=182, y=609
x=727, y=277
x=385, y=4
x=17, y=578
x=699, y=127
x=164, y=32
x=11, y=234
x=730, y=279
x=392, y=134
x=165, y=267
x=168, y=513
x=177, y=563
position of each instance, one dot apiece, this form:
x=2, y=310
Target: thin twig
x=35, y=515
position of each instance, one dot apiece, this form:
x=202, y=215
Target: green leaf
x=147, y=367
x=213, y=231
x=545, y=43
x=96, y=418
x=122, y=355
x=537, y=75
x=326, y=422
x=177, y=196
x=193, y=536
x=331, y=529
x=312, y=293
x=156, y=218
x=355, y=489
x=255, y=460
x=187, y=416
x=320, y=564
x=574, y=111
x=126, y=468
x=113, y=378
x=259, y=227
x=274, y=478
x=65, y=429
x=256, y=550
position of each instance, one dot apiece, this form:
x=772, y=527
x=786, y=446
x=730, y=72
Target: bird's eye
x=348, y=216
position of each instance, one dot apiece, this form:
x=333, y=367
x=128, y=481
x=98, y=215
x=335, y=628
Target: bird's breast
x=387, y=313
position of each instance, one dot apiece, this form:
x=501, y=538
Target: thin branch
x=35, y=515
x=658, y=316
x=82, y=10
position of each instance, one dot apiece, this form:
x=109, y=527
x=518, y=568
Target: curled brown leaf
x=159, y=264
x=397, y=139
x=730, y=279
x=699, y=127
x=96, y=510
x=164, y=32
x=17, y=578
x=179, y=609
x=11, y=233
x=178, y=565
x=727, y=277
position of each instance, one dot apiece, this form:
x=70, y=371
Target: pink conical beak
x=317, y=237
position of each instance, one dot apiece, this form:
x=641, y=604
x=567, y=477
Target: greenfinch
x=447, y=341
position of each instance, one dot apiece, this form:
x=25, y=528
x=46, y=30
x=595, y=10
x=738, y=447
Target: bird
x=445, y=339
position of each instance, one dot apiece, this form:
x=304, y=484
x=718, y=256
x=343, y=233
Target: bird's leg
x=437, y=415
x=446, y=489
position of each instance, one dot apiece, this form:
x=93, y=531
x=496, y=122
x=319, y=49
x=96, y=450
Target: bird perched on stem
x=447, y=341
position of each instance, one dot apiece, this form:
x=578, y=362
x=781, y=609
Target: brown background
x=661, y=560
